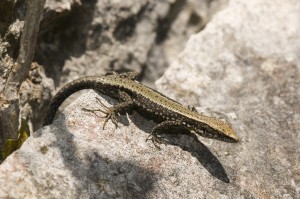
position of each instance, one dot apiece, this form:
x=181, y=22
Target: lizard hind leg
x=108, y=111
x=127, y=75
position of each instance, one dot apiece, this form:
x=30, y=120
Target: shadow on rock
x=101, y=177
x=202, y=153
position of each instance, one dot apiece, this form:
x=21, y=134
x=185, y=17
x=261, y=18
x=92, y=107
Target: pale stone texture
x=80, y=38
x=76, y=158
x=244, y=66
x=90, y=37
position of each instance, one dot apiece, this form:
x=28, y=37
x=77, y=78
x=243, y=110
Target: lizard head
x=217, y=130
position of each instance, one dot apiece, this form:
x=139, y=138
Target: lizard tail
x=72, y=87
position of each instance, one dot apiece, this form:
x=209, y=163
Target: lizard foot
x=156, y=140
x=110, y=113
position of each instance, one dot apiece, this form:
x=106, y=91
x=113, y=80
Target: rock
x=243, y=67
x=81, y=38
x=18, y=73
x=246, y=64
x=76, y=158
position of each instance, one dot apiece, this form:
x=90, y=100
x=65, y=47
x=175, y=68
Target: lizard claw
x=110, y=114
x=156, y=140
x=108, y=111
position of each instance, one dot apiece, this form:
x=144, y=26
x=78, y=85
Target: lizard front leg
x=158, y=129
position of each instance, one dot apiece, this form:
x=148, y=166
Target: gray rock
x=244, y=67
x=76, y=158
x=80, y=38
x=92, y=37
x=246, y=64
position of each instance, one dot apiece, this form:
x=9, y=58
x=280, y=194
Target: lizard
x=133, y=95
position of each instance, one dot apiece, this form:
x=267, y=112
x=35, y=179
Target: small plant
x=12, y=145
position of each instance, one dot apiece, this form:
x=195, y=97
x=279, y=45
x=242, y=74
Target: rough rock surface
x=76, y=158
x=247, y=62
x=92, y=37
x=79, y=38
x=244, y=64
x=19, y=27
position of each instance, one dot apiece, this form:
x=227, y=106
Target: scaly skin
x=146, y=101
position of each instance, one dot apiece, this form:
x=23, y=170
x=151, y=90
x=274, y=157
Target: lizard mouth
x=214, y=134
